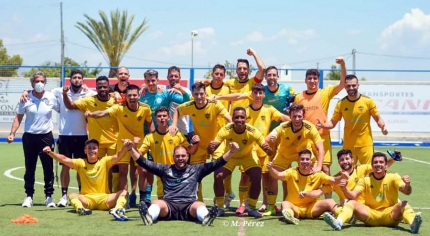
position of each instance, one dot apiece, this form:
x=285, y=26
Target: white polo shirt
x=72, y=122
x=38, y=113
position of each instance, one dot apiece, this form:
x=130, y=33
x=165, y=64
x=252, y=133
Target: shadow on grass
x=20, y=205
x=396, y=228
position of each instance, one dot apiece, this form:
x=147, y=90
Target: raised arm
x=260, y=64
x=117, y=157
x=192, y=149
x=155, y=168
x=341, y=84
x=67, y=102
x=58, y=157
x=212, y=166
x=406, y=188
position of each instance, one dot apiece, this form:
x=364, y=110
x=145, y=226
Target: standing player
x=95, y=194
x=37, y=135
x=131, y=117
x=316, y=102
x=381, y=207
x=204, y=115
x=293, y=136
x=356, y=110
x=161, y=144
x=243, y=133
x=180, y=187
x=301, y=182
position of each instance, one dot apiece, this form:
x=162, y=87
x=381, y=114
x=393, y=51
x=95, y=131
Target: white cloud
x=353, y=32
x=155, y=35
x=291, y=36
x=412, y=31
x=183, y=49
x=206, y=32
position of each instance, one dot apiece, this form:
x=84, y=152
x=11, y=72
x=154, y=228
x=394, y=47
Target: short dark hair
x=238, y=109
x=76, y=71
x=197, y=86
x=379, y=154
x=257, y=88
x=313, y=72
x=102, y=78
x=151, y=72
x=344, y=152
x=131, y=87
x=350, y=77
x=218, y=66
x=244, y=61
x=271, y=68
x=297, y=107
x=173, y=68
x=178, y=147
x=161, y=109
x=305, y=151
x=91, y=141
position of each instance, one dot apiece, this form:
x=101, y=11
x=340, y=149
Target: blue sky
x=297, y=33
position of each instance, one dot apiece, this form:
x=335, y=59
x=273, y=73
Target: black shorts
x=178, y=211
x=72, y=146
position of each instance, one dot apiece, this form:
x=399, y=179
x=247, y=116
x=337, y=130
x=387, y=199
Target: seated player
x=93, y=173
x=180, y=184
x=381, y=207
x=301, y=203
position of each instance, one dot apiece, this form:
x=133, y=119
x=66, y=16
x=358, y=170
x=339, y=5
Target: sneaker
x=353, y=220
x=144, y=214
x=278, y=211
x=289, y=218
x=63, y=202
x=254, y=212
x=119, y=214
x=84, y=212
x=240, y=210
x=132, y=200
x=416, y=224
x=28, y=202
x=221, y=211
x=270, y=211
x=330, y=220
x=49, y=202
x=210, y=217
x=247, y=204
x=227, y=199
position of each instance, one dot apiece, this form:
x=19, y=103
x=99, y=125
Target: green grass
x=60, y=221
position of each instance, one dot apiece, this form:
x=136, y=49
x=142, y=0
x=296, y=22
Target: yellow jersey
x=94, y=177
x=262, y=118
x=380, y=193
x=105, y=129
x=223, y=90
x=162, y=146
x=292, y=142
x=357, y=173
x=245, y=140
x=130, y=123
x=297, y=182
x=317, y=104
x=356, y=115
x=204, y=119
x=240, y=87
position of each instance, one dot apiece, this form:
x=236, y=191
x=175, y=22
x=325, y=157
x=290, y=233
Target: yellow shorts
x=200, y=156
x=381, y=217
x=284, y=161
x=219, y=152
x=327, y=148
x=263, y=158
x=248, y=162
x=362, y=154
x=97, y=201
x=108, y=149
x=305, y=212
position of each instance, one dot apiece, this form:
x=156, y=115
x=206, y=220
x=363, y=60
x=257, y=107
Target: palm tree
x=112, y=38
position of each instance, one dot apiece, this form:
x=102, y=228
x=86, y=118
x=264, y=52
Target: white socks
x=202, y=211
x=154, y=211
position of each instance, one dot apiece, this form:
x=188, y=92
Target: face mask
x=39, y=87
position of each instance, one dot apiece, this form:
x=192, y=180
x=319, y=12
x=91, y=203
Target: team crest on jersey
x=311, y=183
x=346, y=109
x=156, y=142
x=46, y=101
x=95, y=104
x=139, y=118
x=263, y=118
x=244, y=141
x=360, y=108
x=296, y=180
x=371, y=186
x=287, y=138
x=207, y=116
x=170, y=141
x=356, y=180
x=299, y=137
x=230, y=139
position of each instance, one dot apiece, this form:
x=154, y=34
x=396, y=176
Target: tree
x=12, y=62
x=334, y=73
x=231, y=73
x=54, y=70
x=112, y=38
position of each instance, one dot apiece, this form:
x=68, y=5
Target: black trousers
x=33, y=145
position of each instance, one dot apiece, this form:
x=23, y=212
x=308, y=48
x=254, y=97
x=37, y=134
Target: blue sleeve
x=178, y=98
